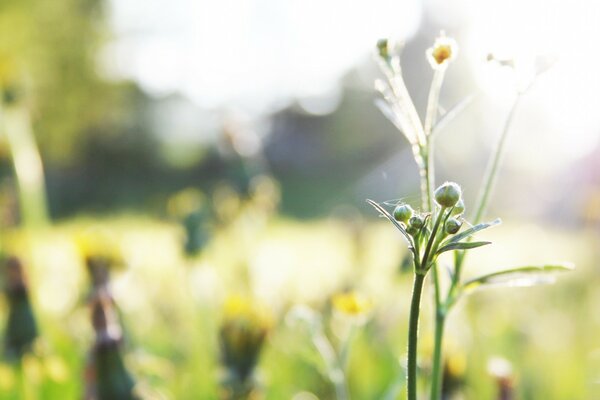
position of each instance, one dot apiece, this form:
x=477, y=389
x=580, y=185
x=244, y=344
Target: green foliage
x=49, y=59
x=519, y=276
x=461, y=246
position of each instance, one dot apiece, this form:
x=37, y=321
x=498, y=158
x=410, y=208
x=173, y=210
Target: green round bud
x=452, y=226
x=459, y=208
x=411, y=230
x=448, y=194
x=383, y=48
x=403, y=212
x=416, y=221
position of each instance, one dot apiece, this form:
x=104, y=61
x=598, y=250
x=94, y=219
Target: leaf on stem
x=521, y=276
x=461, y=246
x=471, y=231
x=386, y=110
x=452, y=113
x=386, y=214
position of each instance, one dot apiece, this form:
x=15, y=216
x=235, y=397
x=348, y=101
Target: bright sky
x=256, y=53
x=250, y=51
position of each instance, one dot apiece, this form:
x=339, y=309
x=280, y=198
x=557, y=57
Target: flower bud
x=416, y=221
x=382, y=48
x=452, y=226
x=389, y=48
x=403, y=212
x=448, y=194
x=459, y=208
x=411, y=230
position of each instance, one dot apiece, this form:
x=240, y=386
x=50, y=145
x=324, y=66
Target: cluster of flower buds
x=21, y=328
x=426, y=232
x=448, y=198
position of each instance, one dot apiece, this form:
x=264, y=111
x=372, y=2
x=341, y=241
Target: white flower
x=443, y=51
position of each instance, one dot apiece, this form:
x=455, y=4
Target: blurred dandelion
x=243, y=331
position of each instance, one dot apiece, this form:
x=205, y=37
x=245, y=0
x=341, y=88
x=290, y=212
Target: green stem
x=433, y=100
x=27, y=164
x=492, y=169
x=436, y=379
x=427, y=177
x=428, y=180
x=413, y=331
x=440, y=319
x=333, y=364
x=430, y=248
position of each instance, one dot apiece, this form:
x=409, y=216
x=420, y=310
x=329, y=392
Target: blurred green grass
x=171, y=308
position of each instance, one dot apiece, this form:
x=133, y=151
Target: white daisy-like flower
x=443, y=51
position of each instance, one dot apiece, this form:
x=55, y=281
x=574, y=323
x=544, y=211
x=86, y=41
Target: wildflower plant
x=440, y=225
x=244, y=329
x=21, y=328
x=349, y=310
x=106, y=374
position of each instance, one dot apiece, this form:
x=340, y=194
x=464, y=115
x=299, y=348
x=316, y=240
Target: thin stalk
x=492, y=169
x=433, y=100
x=415, y=305
x=482, y=203
x=430, y=118
x=436, y=381
x=430, y=248
x=27, y=164
x=427, y=177
x=333, y=365
x=427, y=173
x=413, y=331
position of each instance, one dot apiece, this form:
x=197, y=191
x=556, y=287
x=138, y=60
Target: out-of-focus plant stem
x=15, y=123
x=332, y=364
x=492, y=168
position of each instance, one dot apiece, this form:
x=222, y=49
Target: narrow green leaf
x=461, y=246
x=521, y=276
x=452, y=113
x=471, y=231
x=387, y=111
x=395, y=387
x=386, y=214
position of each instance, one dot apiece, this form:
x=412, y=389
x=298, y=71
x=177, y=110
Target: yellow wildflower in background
x=351, y=303
x=99, y=244
x=244, y=328
x=239, y=307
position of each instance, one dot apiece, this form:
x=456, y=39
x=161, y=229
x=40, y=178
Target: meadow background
x=223, y=148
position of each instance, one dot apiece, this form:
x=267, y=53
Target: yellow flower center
x=351, y=303
x=441, y=53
